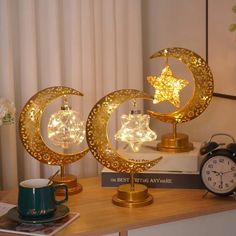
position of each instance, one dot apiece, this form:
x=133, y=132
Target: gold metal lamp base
x=175, y=143
x=137, y=196
x=71, y=182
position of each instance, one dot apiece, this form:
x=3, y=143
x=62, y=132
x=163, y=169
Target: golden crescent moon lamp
x=167, y=87
x=128, y=195
x=30, y=134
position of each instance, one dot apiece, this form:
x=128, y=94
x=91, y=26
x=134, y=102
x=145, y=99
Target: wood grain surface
x=99, y=216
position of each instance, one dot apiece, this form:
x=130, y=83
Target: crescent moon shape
x=29, y=127
x=203, y=87
x=97, y=137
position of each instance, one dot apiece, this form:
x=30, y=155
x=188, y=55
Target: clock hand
x=221, y=182
x=216, y=172
x=228, y=171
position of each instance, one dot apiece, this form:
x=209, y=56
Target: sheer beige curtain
x=93, y=46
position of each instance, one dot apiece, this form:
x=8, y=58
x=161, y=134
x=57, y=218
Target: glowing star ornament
x=203, y=87
x=135, y=130
x=167, y=87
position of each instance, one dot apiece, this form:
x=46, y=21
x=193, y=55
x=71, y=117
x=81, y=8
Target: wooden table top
x=99, y=216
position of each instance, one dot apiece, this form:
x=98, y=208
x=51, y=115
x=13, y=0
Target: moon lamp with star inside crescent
x=203, y=86
x=97, y=137
x=29, y=126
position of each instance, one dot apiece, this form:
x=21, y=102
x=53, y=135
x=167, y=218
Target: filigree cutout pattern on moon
x=29, y=127
x=203, y=86
x=97, y=137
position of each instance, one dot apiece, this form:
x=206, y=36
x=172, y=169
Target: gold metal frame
x=201, y=97
x=97, y=138
x=30, y=134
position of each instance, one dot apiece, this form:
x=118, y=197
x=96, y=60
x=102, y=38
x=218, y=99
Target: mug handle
x=57, y=186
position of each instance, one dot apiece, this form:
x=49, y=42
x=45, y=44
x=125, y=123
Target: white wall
x=171, y=23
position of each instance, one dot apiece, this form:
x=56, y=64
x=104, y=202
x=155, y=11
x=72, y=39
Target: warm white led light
x=135, y=130
x=167, y=87
x=65, y=128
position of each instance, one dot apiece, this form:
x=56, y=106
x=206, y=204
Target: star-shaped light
x=167, y=87
x=135, y=130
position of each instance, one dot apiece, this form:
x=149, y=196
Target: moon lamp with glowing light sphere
x=195, y=106
x=30, y=134
x=128, y=195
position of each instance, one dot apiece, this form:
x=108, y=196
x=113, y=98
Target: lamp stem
x=62, y=171
x=132, y=180
x=174, y=130
x=167, y=60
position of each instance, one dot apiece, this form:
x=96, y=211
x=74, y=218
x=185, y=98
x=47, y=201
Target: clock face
x=218, y=174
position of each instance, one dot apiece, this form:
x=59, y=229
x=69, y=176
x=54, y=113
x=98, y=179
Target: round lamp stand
x=132, y=195
x=174, y=142
x=126, y=197
x=71, y=182
x=68, y=179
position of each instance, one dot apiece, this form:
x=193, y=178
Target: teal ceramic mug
x=36, y=199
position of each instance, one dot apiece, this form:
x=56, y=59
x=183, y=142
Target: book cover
x=153, y=179
x=48, y=229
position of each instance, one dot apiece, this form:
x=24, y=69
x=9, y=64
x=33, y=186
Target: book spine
x=153, y=180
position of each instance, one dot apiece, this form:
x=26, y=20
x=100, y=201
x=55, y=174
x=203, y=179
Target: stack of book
x=175, y=170
x=153, y=179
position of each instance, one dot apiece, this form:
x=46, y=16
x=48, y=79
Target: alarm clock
x=218, y=168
